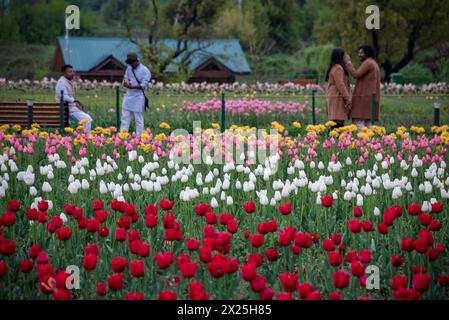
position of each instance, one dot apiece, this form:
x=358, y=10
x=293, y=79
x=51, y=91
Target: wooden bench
x=46, y=114
x=301, y=82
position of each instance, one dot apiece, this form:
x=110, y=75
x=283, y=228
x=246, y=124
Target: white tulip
x=85, y=184
x=214, y=203
x=33, y=191
x=2, y=192
x=426, y=207
x=72, y=188
x=376, y=212
x=46, y=187
x=103, y=188
x=63, y=218
x=359, y=200
x=397, y=193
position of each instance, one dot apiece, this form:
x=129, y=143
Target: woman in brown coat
x=338, y=97
x=367, y=83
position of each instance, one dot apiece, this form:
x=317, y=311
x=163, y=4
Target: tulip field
x=327, y=214
x=271, y=208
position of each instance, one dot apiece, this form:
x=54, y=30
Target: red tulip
x=163, y=260
x=192, y=244
x=90, y=262
x=13, y=205
x=167, y=295
x=407, y=244
x=8, y=219
x=443, y=281
x=97, y=205
x=341, y=279
x=414, y=209
x=407, y=294
x=272, y=254
x=134, y=296
x=232, y=226
x=327, y=201
x=336, y=295
x=289, y=281
x=258, y=284
x=285, y=209
x=166, y=204
x=421, y=282
x=367, y=226
x=136, y=268
x=284, y=296
x=357, y=269
x=103, y=232
x=365, y=256
x=335, y=258
x=425, y=219
x=304, y=289
x=188, y=269
x=358, y=212
x=256, y=258
x=202, y=209
x=249, y=207
x=267, y=294
x=328, y=245
x=26, y=266
x=115, y=281
x=257, y=240
x=42, y=205
x=437, y=207
x=336, y=238
x=248, y=271
x=3, y=269
x=354, y=226
x=382, y=228
x=211, y=218
x=397, y=261
x=217, y=269
x=303, y=240
x=64, y=234
x=101, y=289
x=119, y=264
x=399, y=282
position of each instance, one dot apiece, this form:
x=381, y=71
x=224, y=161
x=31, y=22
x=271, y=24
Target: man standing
x=136, y=80
x=367, y=83
x=76, y=109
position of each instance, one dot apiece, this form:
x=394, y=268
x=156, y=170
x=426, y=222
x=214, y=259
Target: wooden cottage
x=96, y=58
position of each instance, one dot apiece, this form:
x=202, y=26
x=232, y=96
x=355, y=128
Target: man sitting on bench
x=76, y=109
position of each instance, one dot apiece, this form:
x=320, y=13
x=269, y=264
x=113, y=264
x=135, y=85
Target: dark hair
x=336, y=58
x=369, y=51
x=65, y=67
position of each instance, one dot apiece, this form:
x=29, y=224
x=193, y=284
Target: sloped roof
x=87, y=52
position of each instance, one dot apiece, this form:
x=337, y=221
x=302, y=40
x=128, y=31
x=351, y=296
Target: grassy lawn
x=395, y=110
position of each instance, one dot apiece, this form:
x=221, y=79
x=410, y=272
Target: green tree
x=187, y=20
x=249, y=24
x=125, y=13
x=283, y=19
x=407, y=27
x=40, y=21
